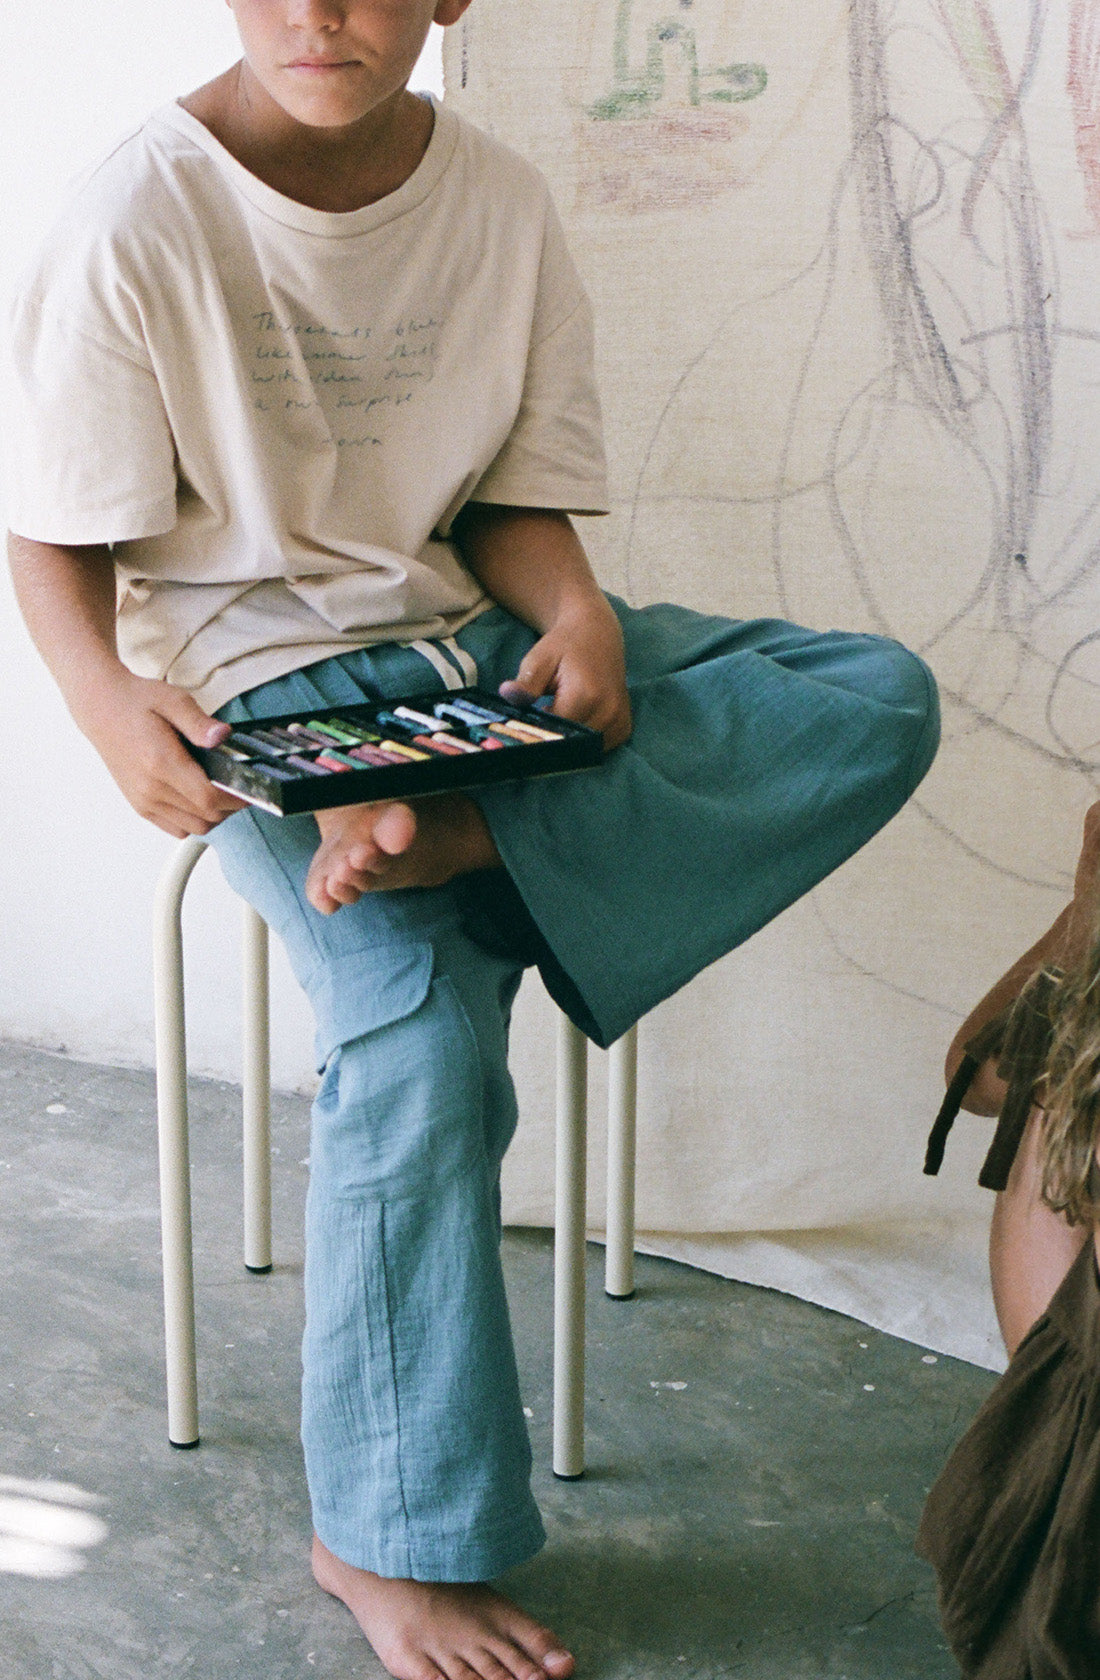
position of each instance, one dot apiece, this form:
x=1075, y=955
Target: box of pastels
x=393, y=749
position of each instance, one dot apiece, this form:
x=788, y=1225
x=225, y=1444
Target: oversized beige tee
x=275, y=412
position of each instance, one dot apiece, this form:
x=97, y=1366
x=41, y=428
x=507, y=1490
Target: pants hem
x=470, y=1558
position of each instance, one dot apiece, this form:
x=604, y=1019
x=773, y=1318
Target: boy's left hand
x=580, y=661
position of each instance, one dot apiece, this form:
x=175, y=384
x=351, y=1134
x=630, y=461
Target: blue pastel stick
x=467, y=712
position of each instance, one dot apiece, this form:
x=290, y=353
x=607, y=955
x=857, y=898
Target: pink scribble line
x=1083, y=82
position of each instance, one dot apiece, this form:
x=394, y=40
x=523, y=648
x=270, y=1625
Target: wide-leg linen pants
x=763, y=755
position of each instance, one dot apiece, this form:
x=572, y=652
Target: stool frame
x=175, y=1167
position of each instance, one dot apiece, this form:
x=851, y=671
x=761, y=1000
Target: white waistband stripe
x=437, y=659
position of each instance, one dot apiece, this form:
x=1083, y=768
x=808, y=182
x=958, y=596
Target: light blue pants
x=763, y=756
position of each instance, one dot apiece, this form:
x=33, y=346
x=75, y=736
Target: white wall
x=77, y=867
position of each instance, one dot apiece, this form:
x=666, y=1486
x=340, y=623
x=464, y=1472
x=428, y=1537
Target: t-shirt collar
x=330, y=224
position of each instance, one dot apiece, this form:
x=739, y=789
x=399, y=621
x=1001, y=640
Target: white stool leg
x=174, y=1151
x=622, y=1108
x=569, y=1249
x=256, y=1092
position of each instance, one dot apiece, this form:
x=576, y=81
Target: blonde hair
x=1070, y=1090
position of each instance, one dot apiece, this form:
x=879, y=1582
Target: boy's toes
x=395, y=829
x=517, y=1665
x=415, y=1667
x=559, y=1664
x=318, y=894
x=491, y=1666
x=547, y=1657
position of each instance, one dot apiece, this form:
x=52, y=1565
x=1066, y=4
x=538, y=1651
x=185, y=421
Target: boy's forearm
x=67, y=598
x=530, y=560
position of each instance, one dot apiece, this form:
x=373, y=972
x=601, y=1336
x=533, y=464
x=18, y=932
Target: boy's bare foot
x=368, y=847
x=424, y=1630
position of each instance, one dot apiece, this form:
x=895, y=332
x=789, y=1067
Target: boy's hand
x=68, y=599
x=135, y=725
x=579, y=660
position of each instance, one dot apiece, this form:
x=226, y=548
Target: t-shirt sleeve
x=554, y=455
x=91, y=457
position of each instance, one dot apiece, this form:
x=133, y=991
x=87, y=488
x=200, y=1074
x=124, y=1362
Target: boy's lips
x=322, y=64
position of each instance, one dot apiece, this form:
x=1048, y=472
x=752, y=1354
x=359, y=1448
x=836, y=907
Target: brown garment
x=1012, y=1526
x=1020, y=1039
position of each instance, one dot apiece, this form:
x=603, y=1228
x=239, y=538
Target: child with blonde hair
x=1012, y=1526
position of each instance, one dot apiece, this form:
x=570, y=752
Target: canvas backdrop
x=844, y=261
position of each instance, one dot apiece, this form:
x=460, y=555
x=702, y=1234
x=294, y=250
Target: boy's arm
x=531, y=561
x=1063, y=945
x=67, y=596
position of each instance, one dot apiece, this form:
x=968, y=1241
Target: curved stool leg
x=569, y=1249
x=622, y=1108
x=173, y=1145
x=256, y=1092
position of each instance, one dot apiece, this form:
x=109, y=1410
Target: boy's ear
x=449, y=11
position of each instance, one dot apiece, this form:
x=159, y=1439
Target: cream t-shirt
x=276, y=412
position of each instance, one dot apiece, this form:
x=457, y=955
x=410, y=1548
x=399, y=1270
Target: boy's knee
x=888, y=673
x=402, y=1107
x=920, y=701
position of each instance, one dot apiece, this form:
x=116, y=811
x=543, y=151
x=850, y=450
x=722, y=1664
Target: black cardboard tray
x=578, y=748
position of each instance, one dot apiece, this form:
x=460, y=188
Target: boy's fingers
x=516, y=693
x=193, y=723
x=175, y=790
x=188, y=786
x=620, y=728
x=537, y=671
x=610, y=716
x=581, y=700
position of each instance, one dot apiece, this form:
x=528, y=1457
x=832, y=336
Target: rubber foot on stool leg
x=561, y=1477
x=184, y=1446
x=629, y=1297
x=259, y=1271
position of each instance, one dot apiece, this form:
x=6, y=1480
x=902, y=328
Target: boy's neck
x=335, y=169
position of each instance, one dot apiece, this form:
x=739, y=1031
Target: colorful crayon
x=468, y=712
x=420, y=718
x=525, y=732
x=405, y=751
x=446, y=745
x=367, y=754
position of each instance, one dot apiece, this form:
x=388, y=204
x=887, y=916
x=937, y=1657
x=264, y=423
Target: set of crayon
x=393, y=749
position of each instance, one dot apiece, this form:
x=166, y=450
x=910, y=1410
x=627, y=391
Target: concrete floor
x=757, y=1464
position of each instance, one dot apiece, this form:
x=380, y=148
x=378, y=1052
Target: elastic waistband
x=448, y=660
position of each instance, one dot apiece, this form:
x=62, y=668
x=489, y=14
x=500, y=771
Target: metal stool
x=175, y=1168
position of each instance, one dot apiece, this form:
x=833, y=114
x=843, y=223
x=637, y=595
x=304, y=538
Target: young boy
x=306, y=399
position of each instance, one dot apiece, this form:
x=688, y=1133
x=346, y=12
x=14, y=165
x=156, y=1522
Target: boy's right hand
x=135, y=724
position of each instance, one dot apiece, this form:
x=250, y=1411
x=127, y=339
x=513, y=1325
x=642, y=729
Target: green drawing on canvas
x=671, y=53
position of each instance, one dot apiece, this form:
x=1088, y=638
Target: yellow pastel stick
x=525, y=731
x=402, y=750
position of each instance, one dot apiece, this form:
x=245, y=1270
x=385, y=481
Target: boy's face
x=329, y=63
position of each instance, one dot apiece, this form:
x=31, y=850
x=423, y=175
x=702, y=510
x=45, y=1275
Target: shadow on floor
x=757, y=1464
